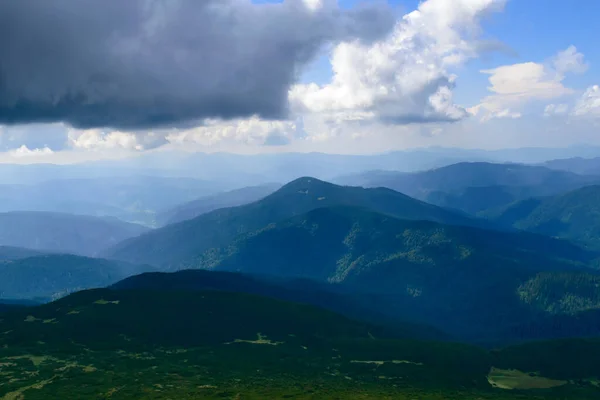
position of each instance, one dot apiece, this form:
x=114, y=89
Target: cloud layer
x=145, y=63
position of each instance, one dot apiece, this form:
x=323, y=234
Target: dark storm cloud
x=143, y=63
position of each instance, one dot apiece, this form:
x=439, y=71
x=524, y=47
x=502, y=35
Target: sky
x=85, y=80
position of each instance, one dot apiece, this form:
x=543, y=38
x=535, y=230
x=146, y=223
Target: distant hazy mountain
x=133, y=199
x=8, y=253
x=458, y=177
x=474, y=187
x=206, y=204
x=579, y=165
x=461, y=279
x=237, y=170
x=478, y=200
x=49, y=276
x=62, y=233
x=178, y=244
x=574, y=215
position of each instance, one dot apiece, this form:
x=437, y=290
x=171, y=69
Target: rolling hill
x=210, y=344
x=206, y=204
x=574, y=215
x=175, y=245
x=63, y=233
x=460, y=279
x=474, y=186
x=49, y=276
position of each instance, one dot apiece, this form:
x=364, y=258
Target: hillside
x=48, y=276
x=206, y=204
x=330, y=297
x=143, y=344
x=574, y=215
x=460, y=279
x=474, y=186
x=63, y=233
x=175, y=245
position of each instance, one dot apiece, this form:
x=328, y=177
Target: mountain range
x=314, y=290
x=475, y=186
x=177, y=245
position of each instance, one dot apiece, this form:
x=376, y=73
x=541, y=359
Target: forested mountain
x=49, y=276
x=206, y=204
x=175, y=245
x=330, y=297
x=475, y=187
x=63, y=233
x=574, y=215
x=460, y=279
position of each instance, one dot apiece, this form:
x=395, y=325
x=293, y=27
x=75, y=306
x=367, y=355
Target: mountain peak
x=306, y=181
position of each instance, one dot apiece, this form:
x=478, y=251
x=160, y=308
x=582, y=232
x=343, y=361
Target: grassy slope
x=159, y=345
x=177, y=243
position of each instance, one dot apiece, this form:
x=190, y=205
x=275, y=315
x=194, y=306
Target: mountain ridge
x=219, y=227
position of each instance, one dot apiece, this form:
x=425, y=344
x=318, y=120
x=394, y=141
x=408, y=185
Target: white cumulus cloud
x=589, y=104
x=556, y=109
x=516, y=85
x=25, y=151
x=406, y=77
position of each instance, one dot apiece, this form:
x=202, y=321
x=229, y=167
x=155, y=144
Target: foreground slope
x=174, y=245
x=47, y=276
x=574, y=215
x=209, y=344
x=64, y=233
x=460, y=279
